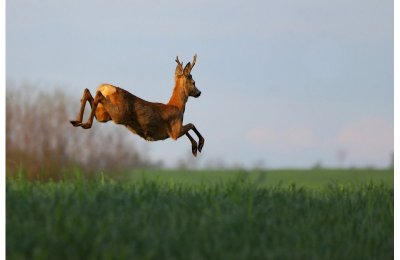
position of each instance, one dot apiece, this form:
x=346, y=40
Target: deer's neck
x=178, y=98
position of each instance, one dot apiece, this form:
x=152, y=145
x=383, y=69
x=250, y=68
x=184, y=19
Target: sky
x=284, y=83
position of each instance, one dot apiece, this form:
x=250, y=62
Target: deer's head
x=185, y=79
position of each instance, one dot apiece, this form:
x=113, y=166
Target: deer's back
x=147, y=119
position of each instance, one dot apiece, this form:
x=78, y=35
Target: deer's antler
x=194, y=61
x=177, y=61
x=179, y=67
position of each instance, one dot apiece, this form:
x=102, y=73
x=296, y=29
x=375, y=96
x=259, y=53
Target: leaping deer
x=151, y=121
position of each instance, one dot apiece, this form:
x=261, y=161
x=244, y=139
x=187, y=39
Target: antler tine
x=194, y=61
x=177, y=60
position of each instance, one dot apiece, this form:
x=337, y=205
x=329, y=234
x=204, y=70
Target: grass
x=192, y=216
x=313, y=179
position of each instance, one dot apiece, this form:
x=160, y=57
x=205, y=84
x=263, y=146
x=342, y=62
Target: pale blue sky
x=286, y=82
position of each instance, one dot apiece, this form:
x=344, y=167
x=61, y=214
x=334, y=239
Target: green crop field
x=148, y=214
x=313, y=179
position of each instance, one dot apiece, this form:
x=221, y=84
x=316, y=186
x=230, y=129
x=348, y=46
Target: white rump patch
x=107, y=90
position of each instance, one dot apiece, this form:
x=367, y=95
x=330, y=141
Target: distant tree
x=188, y=162
x=317, y=165
x=41, y=141
x=259, y=164
x=341, y=156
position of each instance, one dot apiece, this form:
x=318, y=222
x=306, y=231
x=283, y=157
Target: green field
x=313, y=179
x=281, y=214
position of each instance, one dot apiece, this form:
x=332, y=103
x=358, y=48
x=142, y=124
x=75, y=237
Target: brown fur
x=151, y=121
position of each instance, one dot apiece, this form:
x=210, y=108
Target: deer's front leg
x=86, y=97
x=180, y=130
x=201, y=139
x=194, y=144
x=184, y=130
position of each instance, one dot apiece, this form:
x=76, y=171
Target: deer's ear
x=187, y=69
x=179, y=70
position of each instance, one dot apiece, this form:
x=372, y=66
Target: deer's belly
x=147, y=134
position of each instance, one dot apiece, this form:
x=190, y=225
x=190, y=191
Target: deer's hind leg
x=100, y=113
x=86, y=97
x=99, y=99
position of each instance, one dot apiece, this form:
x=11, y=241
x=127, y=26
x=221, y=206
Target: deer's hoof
x=194, y=151
x=201, y=144
x=76, y=123
x=86, y=126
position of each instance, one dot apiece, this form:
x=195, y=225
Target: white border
x=396, y=125
x=3, y=128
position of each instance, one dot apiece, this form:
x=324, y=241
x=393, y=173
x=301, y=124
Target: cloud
x=365, y=141
x=367, y=138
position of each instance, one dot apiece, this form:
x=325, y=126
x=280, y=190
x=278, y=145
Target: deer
x=151, y=121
